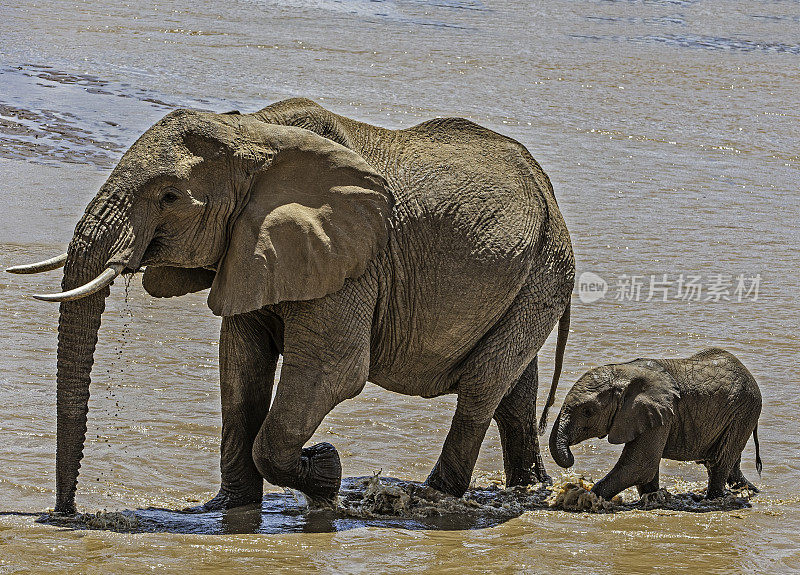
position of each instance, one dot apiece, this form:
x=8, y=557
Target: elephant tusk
x=98, y=283
x=39, y=267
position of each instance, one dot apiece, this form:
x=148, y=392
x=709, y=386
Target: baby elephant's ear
x=647, y=402
x=315, y=216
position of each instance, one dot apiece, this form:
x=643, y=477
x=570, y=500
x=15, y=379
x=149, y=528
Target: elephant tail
x=758, y=455
x=561, y=344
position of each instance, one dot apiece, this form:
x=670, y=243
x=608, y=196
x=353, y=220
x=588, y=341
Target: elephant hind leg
x=488, y=374
x=725, y=466
x=737, y=480
x=453, y=471
x=718, y=473
x=516, y=421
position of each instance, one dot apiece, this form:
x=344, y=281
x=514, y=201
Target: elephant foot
x=528, y=477
x=604, y=490
x=440, y=482
x=66, y=509
x=321, y=474
x=714, y=493
x=745, y=485
x=543, y=477
x=225, y=500
x=737, y=481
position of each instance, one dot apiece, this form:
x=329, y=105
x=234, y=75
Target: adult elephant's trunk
x=101, y=237
x=560, y=440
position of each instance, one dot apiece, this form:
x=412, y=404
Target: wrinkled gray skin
x=703, y=408
x=430, y=260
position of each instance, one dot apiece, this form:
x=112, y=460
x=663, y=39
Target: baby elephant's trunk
x=560, y=440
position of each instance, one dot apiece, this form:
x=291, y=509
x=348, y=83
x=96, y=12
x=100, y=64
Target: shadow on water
x=372, y=502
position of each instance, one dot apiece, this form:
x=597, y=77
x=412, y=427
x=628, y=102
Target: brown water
x=670, y=130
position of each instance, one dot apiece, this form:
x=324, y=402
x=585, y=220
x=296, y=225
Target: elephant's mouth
x=153, y=254
x=157, y=254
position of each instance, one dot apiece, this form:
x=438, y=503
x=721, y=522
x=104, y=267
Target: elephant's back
x=715, y=371
x=467, y=230
x=469, y=185
x=720, y=403
x=472, y=210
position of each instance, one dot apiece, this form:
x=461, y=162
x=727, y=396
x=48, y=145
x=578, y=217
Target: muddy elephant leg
x=649, y=487
x=453, y=471
x=737, y=480
x=249, y=350
x=637, y=465
x=727, y=460
x=516, y=421
x=495, y=364
x=718, y=473
x=717, y=476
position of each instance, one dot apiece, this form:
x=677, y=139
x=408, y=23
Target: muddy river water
x=671, y=132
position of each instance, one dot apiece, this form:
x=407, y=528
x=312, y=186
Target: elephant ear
x=315, y=216
x=168, y=281
x=647, y=402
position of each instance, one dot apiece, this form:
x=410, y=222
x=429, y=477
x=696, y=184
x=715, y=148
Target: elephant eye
x=168, y=197
x=588, y=412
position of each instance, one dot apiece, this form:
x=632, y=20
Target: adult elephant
x=430, y=260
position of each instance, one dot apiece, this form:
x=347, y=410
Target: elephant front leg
x=321, y=368
x=516, y=421
x=638, y=464
x=304, y=397
x=649, y=487
x=326, y=357
x=248, y=359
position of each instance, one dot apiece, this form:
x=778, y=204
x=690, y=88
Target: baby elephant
x=702, y=408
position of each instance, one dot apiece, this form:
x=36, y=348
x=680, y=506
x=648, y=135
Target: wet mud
x=378, y=501
x=576, y=495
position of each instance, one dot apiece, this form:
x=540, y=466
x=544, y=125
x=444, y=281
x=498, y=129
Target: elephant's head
x=260, y=213
x=621, y=401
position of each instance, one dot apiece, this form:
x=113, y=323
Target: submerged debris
x=576, y=495
x=696, y=501
x=113, y=520
x=657, y=499
x=376, y=496
x=386, y=501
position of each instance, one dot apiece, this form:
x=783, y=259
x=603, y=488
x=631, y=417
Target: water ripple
x=699, y=42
